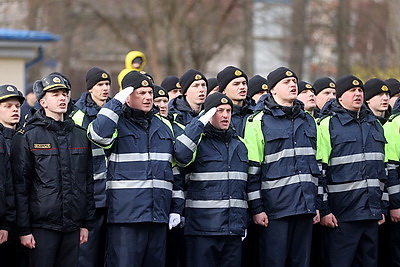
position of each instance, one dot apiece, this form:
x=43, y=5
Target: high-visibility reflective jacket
x=284, y=172
x=351, y=147
x=85, y=112
x=392, y=156
x=216, y=180
x=181, y=114
x=240, y=115
x=139, y=178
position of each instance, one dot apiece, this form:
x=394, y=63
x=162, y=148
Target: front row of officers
x=202, y=168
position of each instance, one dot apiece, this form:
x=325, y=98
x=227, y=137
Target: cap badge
x=238, y=72
x=197, y=77
x=384, y=88
x=264, y=87
x=178, y=85
x=224, y=100
x=355, y=82
x=10, y=89
x=289, y=73
x=145, y=83
x=161, y=92
x=104, y=75
x=308, y=86
x=56, y=80
x=332, y=85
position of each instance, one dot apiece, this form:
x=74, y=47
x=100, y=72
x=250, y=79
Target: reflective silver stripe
x=97, y=152
x=381, y=186
x=187, y=142
x=320, y=190
x=385, y=197
x=216, y=204
x=288, y=181
x=320, y=167
x=337, y=188
x=100, y=176
x=218, y=176
x=286, y=153
x=390, y=166
x=129, y=157
x=254, y=195
x=356, y=158
x=178, y=194
x=109, y=114
x=138, y=184
x=325, y=197
x=393, y=189
x=175, y=171
x=98, y=139
x=254, y=170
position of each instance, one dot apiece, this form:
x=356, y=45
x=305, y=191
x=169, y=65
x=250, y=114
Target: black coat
x=52, y=171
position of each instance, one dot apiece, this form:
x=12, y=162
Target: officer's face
x=196, y=93
x=324, y=96
x=257, y=96
x=174, y=93
x=10, y=112
x=236, y=89
x=308, y=98
x=285, y=91
x=222, y=117
x=141, y=99
x=100, y=91
x=352, y=99
x=379, y=103
x=162, y=104
x=393, y=99
x=55, y=102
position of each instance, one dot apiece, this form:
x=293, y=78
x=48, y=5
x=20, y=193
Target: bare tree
x=343, y=30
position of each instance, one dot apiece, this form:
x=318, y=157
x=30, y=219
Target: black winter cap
x=226, y=75
x=256, y=85
x=170, y=83
x=323, y=83
x=215, y=100
x=279, y=74
x=374, y=87
x=347, y=82
x=51, y=82
x=189, y=77
x=8, y=90
x=394, y=86
x=95, y=75
x=212, y=83
x=159, y=92
x=136, y=80
x=303, y=85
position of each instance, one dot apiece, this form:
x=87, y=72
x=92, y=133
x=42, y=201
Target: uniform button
x=155, y=219
x=299, y=171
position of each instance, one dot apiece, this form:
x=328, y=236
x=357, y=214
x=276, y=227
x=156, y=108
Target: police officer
x=51, y=165
x=140, y=179
x=232, y=81
x=306, y=94
x=12, y=253
x=216, y=186
x=98, y=83
x=394, y=88
x=258, y=86
x=283, y=174
x=377, y=97
x=161, y=99
x=351, y=148
x=188, y=105
x=172, y=85
x=324, y=91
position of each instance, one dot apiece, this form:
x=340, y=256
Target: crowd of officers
x=198, y=171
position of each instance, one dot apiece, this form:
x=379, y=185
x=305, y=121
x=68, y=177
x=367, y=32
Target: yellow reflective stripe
x=78, y=117
x=324, y=147
x=166, y=122
x=294, y=179
x=139, y=184
x=254, y=138
x=216, y=204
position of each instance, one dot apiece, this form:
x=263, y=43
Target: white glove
x=205, y=118
x=122, y=95
x=174, y=220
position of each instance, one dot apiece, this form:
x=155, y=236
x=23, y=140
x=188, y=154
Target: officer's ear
x=43, y=102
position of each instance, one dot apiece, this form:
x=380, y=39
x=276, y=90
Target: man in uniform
x=140, y=180
x=98, y=83
x=172, y=85
x=306, y=94
x=51, y=165
x=351, y=147
x=284, y=173
x=258, y=86
x=324, y=91
x=377, y=97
